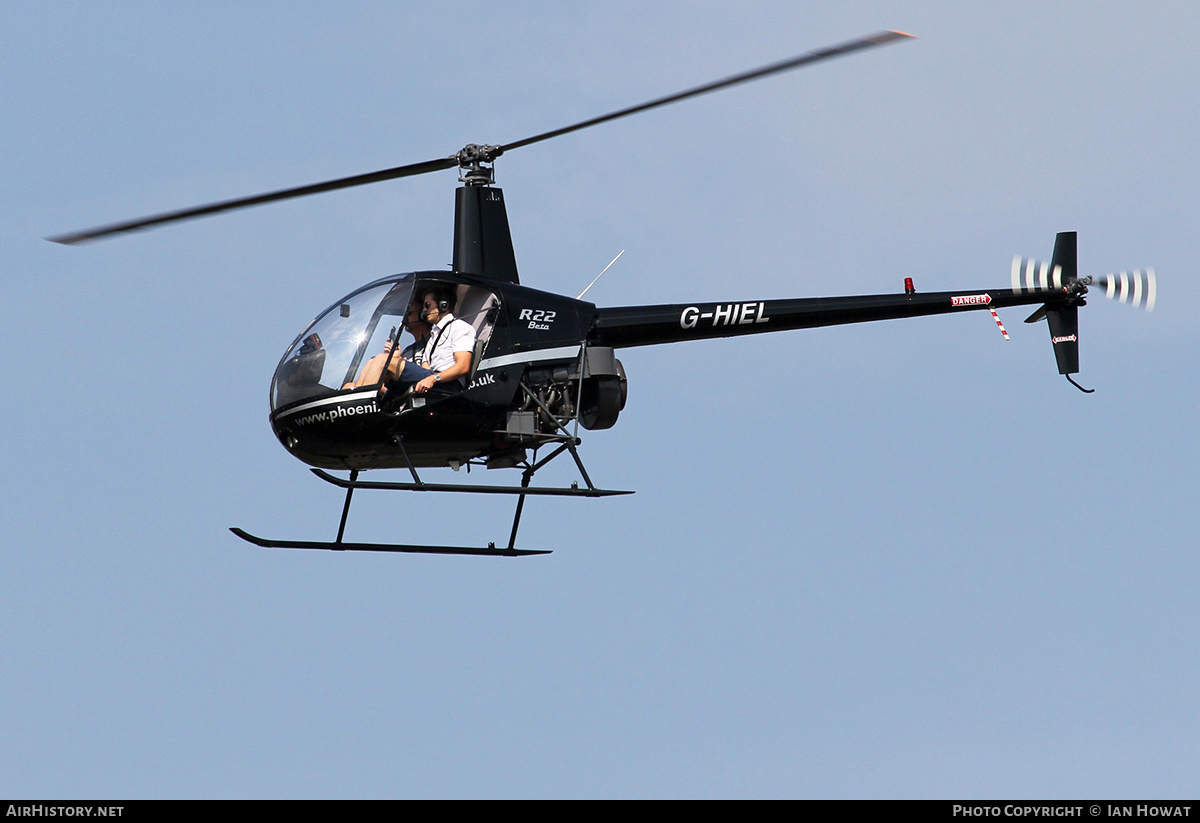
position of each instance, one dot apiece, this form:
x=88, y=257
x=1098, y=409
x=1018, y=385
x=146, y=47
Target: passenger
x=413, y=352
x=447, y=355
x=415, y=323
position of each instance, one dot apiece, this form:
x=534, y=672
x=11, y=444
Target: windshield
x=330, y=351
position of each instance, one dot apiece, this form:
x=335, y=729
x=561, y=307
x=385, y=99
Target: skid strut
x=567, y=444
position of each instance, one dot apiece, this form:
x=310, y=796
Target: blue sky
x=897, y=560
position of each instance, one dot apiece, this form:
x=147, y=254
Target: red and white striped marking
x=996, y=317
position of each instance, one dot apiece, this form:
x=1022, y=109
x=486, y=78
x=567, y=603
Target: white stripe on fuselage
x=535, y=356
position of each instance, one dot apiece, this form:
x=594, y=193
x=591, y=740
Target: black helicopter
x=543, y=364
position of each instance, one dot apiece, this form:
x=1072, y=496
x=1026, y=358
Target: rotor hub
x=1077, y=290
x=475, y=164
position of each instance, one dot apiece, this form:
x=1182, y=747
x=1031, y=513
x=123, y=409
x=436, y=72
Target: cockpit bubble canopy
x=331, y=351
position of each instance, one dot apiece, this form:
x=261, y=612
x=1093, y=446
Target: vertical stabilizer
x=1064, y=321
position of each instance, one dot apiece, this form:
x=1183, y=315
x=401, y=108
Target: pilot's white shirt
x=448, y=336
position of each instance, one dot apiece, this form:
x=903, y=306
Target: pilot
x=413, y=352
x=447, y=355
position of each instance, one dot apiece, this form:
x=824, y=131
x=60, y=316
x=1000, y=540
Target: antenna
x=601, y=274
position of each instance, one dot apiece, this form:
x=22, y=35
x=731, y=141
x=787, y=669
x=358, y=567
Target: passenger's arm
x=462, y=365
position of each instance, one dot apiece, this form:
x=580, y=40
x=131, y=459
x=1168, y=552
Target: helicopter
x=541, y=365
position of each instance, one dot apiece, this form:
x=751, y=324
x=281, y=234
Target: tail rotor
x=1066, y=292
x=1138, y=288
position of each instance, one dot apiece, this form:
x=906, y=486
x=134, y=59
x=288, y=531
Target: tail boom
x=629, y=326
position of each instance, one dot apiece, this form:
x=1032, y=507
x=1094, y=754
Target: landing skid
x=383, y=547
x=521, y=491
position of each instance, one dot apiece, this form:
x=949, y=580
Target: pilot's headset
x=444, y=305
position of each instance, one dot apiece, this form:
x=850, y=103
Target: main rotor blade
x=257, y=200
x=873, y=40
x=471, y=153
